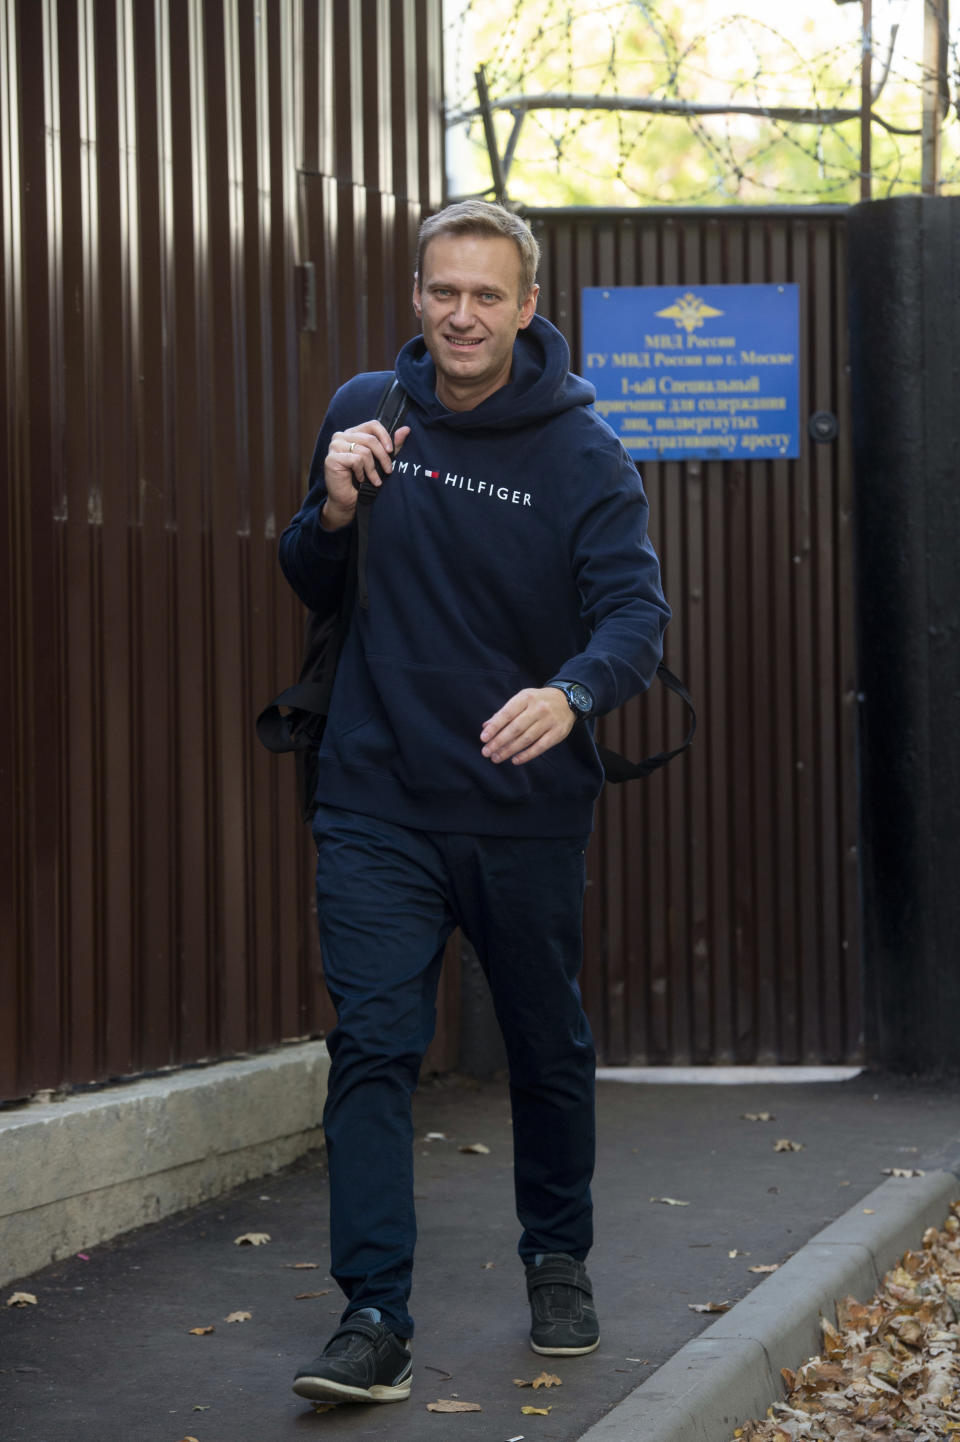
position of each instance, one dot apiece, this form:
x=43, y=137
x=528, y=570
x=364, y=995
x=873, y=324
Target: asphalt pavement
x=109, y=1354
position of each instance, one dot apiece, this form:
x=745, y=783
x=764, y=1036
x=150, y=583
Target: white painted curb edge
x=731, y=1372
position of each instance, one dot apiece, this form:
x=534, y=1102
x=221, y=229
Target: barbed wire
x=606, y=102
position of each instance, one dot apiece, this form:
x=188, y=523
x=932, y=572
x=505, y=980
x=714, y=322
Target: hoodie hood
x=540, y=385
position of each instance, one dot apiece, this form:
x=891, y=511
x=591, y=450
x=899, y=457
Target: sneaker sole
x=564, y=1351
x=321, y=1389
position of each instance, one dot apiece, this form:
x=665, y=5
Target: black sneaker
x=563, y=1321
x=362, y=1362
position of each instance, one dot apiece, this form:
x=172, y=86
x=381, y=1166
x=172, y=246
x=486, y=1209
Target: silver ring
x=353, y=445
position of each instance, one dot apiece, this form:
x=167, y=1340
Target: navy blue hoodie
x=508, y=547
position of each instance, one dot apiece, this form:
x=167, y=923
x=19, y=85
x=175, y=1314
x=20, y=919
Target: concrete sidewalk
x=107, y=1350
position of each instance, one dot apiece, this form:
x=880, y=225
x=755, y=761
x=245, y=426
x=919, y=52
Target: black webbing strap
x=618, y=768
x=390, y=413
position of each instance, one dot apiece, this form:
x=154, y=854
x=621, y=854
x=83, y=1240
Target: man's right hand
x=354, y=455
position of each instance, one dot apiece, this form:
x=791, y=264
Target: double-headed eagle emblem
x=689, y=312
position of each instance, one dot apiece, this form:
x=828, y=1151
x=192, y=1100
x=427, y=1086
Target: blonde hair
x=482, y=217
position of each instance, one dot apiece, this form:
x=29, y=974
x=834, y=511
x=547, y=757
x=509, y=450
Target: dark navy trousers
x=388, y=898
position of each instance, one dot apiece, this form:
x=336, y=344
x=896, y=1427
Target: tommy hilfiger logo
x=466, y=483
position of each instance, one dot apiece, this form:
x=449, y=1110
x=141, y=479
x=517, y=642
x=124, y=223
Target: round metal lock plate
x=822, y=426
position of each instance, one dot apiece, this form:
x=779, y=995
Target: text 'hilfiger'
x=467, y=483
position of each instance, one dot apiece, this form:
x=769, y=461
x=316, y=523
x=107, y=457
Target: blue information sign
x=696, y=372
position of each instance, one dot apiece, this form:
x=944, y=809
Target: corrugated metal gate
x=168, y=169
x=722, y=917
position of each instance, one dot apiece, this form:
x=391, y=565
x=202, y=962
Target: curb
x=731, y=1372
x=80, y=1171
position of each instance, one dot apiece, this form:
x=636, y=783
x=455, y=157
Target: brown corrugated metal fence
x=208, y=219
x=171, y=170
x=722, y=916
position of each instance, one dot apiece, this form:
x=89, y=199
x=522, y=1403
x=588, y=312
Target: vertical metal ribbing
x=159, y=410
x=722, y=920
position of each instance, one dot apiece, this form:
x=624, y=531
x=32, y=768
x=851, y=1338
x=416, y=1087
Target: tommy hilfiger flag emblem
x=434, y=474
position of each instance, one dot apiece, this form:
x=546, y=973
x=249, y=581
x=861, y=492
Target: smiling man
x=472, y=301
x=513, y=597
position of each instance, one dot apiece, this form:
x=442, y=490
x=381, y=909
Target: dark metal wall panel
x=167, y=168
x=722, y=913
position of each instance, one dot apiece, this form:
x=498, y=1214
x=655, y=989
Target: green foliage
x=667, y=51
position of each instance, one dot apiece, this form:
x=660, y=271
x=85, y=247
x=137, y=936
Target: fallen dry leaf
x=759, y=1117
x=252, y=1239
x=709, y=1306
x=535, y=1411
x=21, y=1299
x=737, y=1252
x=306, y=1296
x=324, y=1406
x=477, y=1149
x=488, y=1266
x=765, y=1267
x=239, y=1317
x=785, y=1145
x=200, y=1331
x=902, y=1172
x=301, y=1266
x=436, y=1137
x=890, y=1367
x=670, y=1201
x=444, y=1404
x=546, y=1379
x=188, y=1439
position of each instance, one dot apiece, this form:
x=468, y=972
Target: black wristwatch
x=578, y=697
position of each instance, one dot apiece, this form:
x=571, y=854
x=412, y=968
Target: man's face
x=467, y=300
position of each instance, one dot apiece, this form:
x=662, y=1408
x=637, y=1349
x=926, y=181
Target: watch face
x=580, y=697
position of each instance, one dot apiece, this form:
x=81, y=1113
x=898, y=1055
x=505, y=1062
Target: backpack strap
x=390, y=413
x=294, y=720
x=617, y=768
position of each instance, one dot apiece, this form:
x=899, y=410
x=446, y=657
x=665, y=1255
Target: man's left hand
x=529, y=724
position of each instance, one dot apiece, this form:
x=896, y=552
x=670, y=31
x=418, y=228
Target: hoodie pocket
x=426, y=731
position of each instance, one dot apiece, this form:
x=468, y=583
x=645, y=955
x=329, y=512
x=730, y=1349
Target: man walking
x=513, y=596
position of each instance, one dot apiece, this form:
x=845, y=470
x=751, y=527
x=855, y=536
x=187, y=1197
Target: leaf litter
x=546, y=1379
x=890, y=1368
x=451, y=1404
